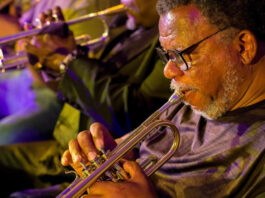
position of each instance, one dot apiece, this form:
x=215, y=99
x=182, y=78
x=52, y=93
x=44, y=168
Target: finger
x=27, y=26
x=121, y=171
x=97, y=132
x=59, y=14
x=102, y=137
x=42, y=18
x=86, y=143
x=49, y=17
x=66, y=158
x=134, y=171
x=75, y=150
x=49, y=13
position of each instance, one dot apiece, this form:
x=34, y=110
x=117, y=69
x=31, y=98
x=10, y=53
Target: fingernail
x=63, y=162
x=92, y=155
x=76, y=159
x=99, y=144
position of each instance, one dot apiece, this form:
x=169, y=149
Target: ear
x=246, y=44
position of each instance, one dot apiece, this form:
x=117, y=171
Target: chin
x=212, y=111
x=209, y=108
x=198, y=111
x=205, y=115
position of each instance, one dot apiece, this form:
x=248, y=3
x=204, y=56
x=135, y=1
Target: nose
x=172, y=71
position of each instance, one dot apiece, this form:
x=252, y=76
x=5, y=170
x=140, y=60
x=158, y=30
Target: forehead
x=184, y=25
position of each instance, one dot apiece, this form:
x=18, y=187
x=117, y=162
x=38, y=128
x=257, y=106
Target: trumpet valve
x=116, y=173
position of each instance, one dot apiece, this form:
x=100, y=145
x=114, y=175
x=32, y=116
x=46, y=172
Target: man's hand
x=84, y=149
x=137, y=186
x=51, y=48
x=86, y=146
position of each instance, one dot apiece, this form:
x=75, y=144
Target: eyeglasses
x=178, y=57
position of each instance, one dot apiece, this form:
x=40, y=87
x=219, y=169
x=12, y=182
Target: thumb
x=134, y=171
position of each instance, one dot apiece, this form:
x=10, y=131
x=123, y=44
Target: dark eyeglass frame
x=179, y=54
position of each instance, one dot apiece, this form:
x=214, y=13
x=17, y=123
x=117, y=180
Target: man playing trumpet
x=214, y=54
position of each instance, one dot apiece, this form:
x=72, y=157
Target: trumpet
x=108, y=168
x=112, y=10
x=21, y=59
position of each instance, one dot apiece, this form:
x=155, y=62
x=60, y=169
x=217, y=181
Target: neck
x=255, y=89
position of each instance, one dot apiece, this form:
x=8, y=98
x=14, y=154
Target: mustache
x=180, y=88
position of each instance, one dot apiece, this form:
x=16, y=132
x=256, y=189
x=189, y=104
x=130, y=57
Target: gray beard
x=221, y=105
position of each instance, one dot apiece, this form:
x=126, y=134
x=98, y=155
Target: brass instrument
x=108, y=166
x=21, y=59
x=108, y=11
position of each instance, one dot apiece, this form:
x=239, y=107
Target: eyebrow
x=177, y=47
x=174, y=49
x=193, y=46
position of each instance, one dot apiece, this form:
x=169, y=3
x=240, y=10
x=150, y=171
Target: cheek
x=205, y=78
x=197, y=100
x=208, y=72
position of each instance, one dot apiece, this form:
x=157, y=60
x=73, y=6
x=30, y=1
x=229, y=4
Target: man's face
x=212, y=84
